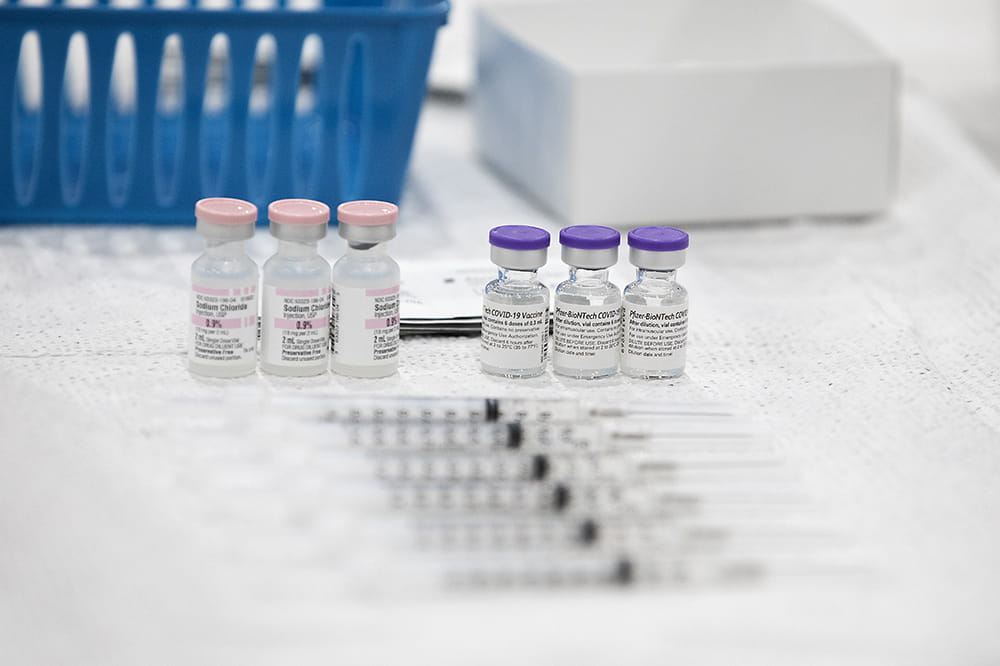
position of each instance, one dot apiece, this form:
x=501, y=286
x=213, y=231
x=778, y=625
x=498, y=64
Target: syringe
x=689, y=435
x=627, y=568
x=577, y=437
x=348, y=409
x=553, y=533
x=609, y=499
x=621, y=466
x=622, y=570
x=686, y=432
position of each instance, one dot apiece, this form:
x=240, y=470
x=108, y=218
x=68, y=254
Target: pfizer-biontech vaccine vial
x=222, y=333
x=295, y=304
x=586, y=332
x=515, y=329
x=366, y=292
x=655, y=313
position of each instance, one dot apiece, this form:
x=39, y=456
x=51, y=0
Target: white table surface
x=867, y=347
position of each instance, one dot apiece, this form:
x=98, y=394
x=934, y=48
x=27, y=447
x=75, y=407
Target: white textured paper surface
x=869, y=346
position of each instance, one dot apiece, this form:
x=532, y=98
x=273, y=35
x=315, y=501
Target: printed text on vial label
x=365, y=325
x=515, y=336
x=224, y=324
x=299, y=321
x=586, y=336
x=654, y=338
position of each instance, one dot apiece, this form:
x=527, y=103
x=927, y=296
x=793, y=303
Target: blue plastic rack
x=154, y=108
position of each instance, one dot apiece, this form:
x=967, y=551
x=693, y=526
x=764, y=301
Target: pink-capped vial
x=366, y=292
x=295, y=304
x=222, y=329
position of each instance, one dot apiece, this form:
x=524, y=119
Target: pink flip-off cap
x=298, y=211
x=367, y=213
x=223, y=210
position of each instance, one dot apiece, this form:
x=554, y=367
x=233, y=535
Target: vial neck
x=297, y=248
x=518, y=275
x=224, y=249
x=659, y=276
x=367, y=249
x=588, y=275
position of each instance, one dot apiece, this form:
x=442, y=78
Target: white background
x=130, y=536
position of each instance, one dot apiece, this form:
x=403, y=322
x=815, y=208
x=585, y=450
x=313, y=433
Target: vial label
x=365, y=325
x=654, y=338
x=224, y=324
x=515, y=336
x=299, y=321
x=586, y=337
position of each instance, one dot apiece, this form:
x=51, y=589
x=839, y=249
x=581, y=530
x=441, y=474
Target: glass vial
x=515, y=329
x=222, y=336
x=586, y=332
x=366, y=292
x=295, y=304
x=655, y=317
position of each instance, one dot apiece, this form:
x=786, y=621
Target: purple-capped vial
x=586, y=333
x=515, y=328
x=655, y=306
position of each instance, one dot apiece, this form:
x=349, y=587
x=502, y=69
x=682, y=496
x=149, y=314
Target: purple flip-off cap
x=657, y=248
x=590, y=237
x=589, y=246
x=519, y=237
x=519, y=247
x=658, y=239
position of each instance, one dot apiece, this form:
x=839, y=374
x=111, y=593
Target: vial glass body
x=365, y=316
x=222, y=335
x=295, y=311
x=654, y=326
x=587, y=325
x=515, y=328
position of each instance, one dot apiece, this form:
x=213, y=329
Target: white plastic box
x=650, y=111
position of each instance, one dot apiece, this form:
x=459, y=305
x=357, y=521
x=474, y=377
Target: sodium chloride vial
x=515, y=328
x=655, y=312
x=366, y=292
x=295, y=308
x=587, y=322
x=222, y=334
